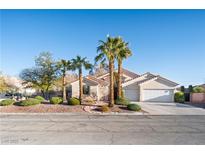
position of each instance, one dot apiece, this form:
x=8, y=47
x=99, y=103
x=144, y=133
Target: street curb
x=75, y=114
x=100, y=114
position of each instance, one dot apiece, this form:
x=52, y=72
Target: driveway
x=170, y=108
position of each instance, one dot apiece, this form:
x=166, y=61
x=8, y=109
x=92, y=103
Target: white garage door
x=131, y=94
x=155, y=95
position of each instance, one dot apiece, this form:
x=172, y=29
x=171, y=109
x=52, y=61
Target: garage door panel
x=154, y=95
x=131, y=87
x=131, y=94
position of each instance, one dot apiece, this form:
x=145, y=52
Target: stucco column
x=140, y=94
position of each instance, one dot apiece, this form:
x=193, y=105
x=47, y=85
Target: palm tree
x=123, y=52
x=106, y=51
x=77, y=64
x=63, y=67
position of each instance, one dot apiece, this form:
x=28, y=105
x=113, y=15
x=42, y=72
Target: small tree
x=182, y=89
x=9, y=84
x=198, y=89
x=3, y=86
x=190, y=88
x=43, y=75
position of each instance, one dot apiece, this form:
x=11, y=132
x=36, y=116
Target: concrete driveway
x=170, y=108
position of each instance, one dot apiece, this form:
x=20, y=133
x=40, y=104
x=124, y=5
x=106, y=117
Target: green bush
x=74, y=101
x=89, y=100
x=122, y=101
x=56, y=100
x=40, y=98
x=104, y=108
x=133, y=107
x=198, y=89
x=6, y=102
x=179, y=97
x=29, y=102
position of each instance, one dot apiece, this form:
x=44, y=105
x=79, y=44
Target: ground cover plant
x=73, y=101
x=7, y=102
x=29, y=102
x=40, y=98
x=133, y=107
x=56, y=100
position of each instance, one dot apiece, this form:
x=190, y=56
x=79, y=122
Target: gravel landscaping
x=46, y=107
x=41, y=108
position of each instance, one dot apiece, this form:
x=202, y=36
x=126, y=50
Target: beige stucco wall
x=75, y=89
x=103, y=92
x=197, y=97
x=157, y=84
x=94, y=92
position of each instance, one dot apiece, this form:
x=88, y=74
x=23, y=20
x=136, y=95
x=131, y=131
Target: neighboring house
x=145, y=87
x=16, y=86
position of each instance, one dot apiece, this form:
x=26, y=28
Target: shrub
x=40, y=98
x=56, y=100
x=6, y=102
x=74, y=101
x=29, y=102
x=182, y=88
x=198, y=89
x=179, y=97
x=122, y=101
x=89, y=100
x=104, y=108
x=133, y=107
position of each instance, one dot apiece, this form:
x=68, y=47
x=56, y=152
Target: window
x=86, y=89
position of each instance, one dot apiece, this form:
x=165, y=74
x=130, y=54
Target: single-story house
x=146, y=87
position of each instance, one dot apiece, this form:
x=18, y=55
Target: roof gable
x=148, y=77
x=129, y=73
x=124, y=72
x=86, y=80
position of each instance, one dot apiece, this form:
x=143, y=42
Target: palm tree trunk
x=111, y=68
x=80, y=85
x=119, y=84
x=64, y=89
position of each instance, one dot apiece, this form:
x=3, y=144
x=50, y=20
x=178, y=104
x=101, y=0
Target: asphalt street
x=101, y=129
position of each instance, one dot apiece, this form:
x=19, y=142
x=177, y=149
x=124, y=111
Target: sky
x=170, y=43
